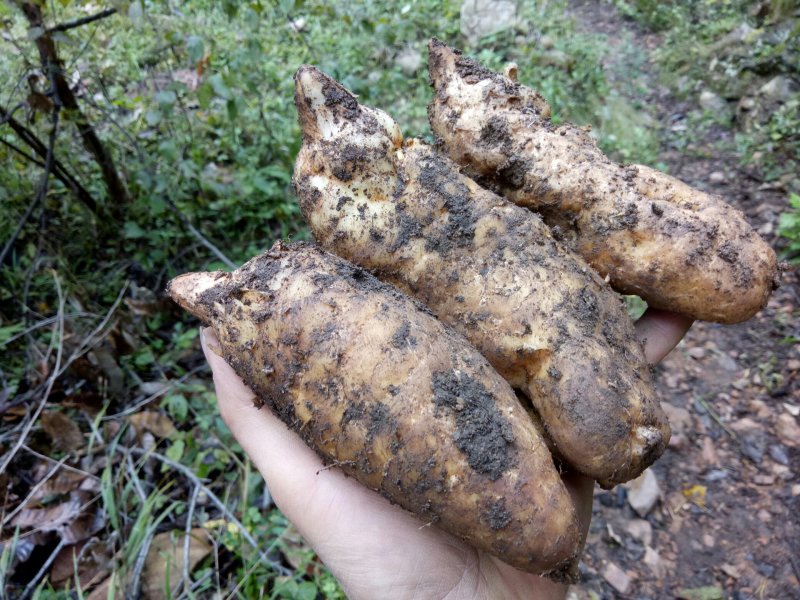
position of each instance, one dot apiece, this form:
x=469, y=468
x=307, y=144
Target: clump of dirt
x=482, y=433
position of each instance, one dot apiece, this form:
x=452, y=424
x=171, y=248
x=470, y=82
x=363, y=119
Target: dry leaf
x=74, y=519
x=91, y=559
x=63, y=431
x=62, y=481
x=153, y=421
x=164, y=565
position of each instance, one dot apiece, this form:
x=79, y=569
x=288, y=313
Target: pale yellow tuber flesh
x=490, y=269
x=380, y=388
x=678, y=248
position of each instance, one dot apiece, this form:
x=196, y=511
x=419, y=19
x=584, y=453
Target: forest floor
x=718, y=516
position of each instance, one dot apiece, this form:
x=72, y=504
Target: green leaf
x=219, y=86
x=133, y=231
x=152, y=117
x=306, y=591
x=166, y=99
x=6, y=333
x=196, y=48
x=175, y=451
x=136, y=12
x=233, y=109
x=177, y=406
x=205, y=93
x=709, y=592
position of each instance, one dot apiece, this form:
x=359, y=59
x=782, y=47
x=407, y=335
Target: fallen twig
x=189, y=474
x=45, y=567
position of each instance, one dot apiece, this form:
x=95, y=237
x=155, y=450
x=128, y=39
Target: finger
x=660, y=331
x=356, y=532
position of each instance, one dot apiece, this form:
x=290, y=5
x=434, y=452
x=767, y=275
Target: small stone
x=778, y=89
x=781, y=471
x=730, y=570
x=709, y=453
x=697, y=352
x=727, y=363
x=787, y=429
x=485, y=17
x=618, y=578
x=653, y=560
x=644, y=492
x=766, y=229
x=740, y=384
x=717, y=177
x=409, y=60
x=778, y=454
x=764, y=479
x=764, y=516
x=708, y=540
x=744, y=425
x=678, y=441
x=710, y=101
x=752, y=448
x=612, y=535
x=679, y=418
x=765, y=569
x=796, y=489
x=641, y=530
x=792, y=409
x=715, y=475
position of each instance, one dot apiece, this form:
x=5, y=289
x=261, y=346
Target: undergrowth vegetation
x=117, y=470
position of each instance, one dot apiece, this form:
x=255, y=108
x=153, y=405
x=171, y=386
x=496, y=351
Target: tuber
x=380, y=388
x=490, y=269
x=678, y=248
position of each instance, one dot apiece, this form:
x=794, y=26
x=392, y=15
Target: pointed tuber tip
x=441, y=60
x=191, y=292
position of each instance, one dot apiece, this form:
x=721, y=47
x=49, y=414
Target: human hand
x=368, y=544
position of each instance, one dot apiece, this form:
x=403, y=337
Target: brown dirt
x=730, y=481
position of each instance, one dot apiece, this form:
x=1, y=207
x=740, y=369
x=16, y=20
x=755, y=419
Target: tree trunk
x=118, y=197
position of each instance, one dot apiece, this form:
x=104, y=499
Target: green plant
x=789, y=228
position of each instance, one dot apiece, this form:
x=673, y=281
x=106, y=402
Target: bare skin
x=369, y=544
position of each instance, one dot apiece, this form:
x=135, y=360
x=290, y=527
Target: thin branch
x=29, y=589
x=22, y=153
x=83, y=21
x=155, y=395
x=59, y=170
x=189, y=474
x=186, y=582
x=41, y=193
x=32, y=492
x=200, y=237
x=8, y=116
x=66, y=467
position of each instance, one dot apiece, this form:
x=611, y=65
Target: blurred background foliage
x=194, y=102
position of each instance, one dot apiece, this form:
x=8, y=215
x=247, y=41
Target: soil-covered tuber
x=380, y=388
x=492, y=270
x=678, y=248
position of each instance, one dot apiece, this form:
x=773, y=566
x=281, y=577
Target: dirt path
x=728, y=514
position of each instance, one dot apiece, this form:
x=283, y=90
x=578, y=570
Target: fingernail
x=207, y=341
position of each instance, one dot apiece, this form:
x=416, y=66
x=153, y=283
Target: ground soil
x=729, y=510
